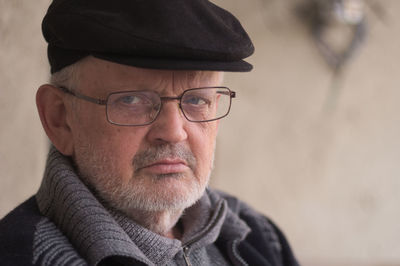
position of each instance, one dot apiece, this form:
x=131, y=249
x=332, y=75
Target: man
x=132, y=114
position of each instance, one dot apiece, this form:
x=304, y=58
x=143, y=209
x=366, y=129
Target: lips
x=166, y=166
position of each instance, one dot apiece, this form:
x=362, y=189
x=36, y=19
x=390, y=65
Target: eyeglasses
x=139, y=108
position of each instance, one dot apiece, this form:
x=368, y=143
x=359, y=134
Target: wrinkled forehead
x=197, y=78
x=97, y=75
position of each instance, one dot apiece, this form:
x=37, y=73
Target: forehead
x=96, y=75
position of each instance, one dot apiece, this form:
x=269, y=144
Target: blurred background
x=312, y=140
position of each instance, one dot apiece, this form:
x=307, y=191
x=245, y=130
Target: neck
x=164, y=222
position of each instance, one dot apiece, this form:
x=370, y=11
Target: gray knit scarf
x=78, y=230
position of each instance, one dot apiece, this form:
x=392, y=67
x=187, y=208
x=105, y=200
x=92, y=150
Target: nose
x=169, y=127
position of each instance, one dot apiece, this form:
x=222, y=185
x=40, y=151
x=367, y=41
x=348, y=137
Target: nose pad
x=181, y=110
x=155, y=111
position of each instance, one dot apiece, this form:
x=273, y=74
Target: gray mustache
x=160, y=152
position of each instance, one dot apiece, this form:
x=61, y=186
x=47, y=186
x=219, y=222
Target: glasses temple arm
x=83, y=97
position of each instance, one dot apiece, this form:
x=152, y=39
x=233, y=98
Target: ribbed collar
x=97, y=233
x=233, y=228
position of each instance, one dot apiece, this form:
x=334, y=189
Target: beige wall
x=325, y=168
x=22, y=69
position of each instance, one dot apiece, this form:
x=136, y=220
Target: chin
x=165, y=194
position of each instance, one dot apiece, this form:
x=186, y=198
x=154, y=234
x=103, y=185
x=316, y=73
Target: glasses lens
x=133, y=108
x=206, y=104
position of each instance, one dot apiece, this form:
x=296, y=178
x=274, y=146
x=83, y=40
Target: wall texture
x=22, y=69
x=321, y=162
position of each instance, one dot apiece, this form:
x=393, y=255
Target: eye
x=195, y=100
x=130, y=99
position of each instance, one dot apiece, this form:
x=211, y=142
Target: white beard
x=151, y=193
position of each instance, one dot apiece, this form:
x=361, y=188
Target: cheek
x=122, y=146
x=202, y=142
x=117, y=146
x=89, y=125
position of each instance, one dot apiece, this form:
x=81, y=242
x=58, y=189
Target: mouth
x=166, y=166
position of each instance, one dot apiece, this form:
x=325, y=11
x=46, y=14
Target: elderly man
x=132, y=113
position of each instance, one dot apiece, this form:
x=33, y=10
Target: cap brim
x=176, y=64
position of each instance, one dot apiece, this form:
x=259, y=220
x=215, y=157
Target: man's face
x=162, y=166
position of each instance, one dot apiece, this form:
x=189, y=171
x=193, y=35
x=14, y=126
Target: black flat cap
x=160, y=34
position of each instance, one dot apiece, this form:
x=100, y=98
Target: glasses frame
x=230, y=93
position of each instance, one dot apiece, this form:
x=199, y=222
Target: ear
x=53, y=115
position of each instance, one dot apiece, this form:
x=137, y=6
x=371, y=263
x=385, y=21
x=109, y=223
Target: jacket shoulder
x=17, y=232
x=266, y=242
